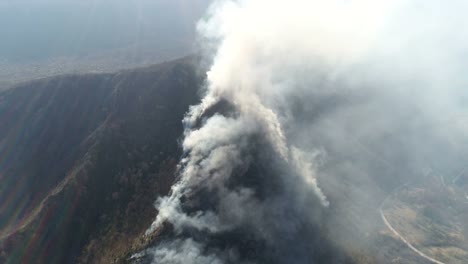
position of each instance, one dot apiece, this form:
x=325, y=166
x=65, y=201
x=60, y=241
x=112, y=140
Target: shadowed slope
x=82, y=159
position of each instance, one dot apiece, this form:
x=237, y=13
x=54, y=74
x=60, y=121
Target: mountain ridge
x=128, y=153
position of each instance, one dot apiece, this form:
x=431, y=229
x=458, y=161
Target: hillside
x=84, y=158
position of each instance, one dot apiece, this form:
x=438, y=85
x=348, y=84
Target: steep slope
x=82, y=159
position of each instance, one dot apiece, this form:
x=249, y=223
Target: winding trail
x=402, y=238
x=31, y=217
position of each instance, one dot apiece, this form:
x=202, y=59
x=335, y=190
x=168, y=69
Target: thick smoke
x=301, y=92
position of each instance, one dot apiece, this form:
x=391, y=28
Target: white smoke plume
x=181, y=252
x=298, y=77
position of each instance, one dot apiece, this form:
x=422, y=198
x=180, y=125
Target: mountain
x=83, y=158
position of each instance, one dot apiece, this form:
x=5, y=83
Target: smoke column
x=247, y=190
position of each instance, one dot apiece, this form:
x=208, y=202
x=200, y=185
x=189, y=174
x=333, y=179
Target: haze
x=294, y=132
x=41, y=29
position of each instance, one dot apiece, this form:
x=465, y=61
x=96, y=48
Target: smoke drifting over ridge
x=300, y=84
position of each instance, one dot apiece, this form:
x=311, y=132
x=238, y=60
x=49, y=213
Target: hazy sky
x=38, y=29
